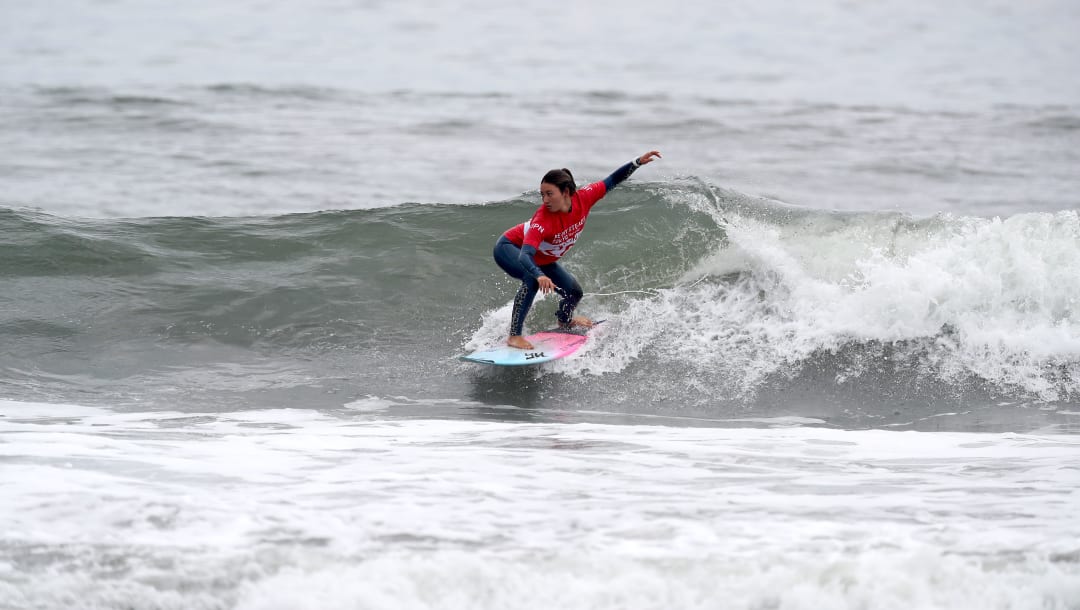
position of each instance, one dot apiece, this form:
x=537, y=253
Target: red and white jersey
x=553, y=233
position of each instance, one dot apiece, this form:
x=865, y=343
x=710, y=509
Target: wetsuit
x=533, y=248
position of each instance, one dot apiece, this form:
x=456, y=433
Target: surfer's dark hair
x=562, y=179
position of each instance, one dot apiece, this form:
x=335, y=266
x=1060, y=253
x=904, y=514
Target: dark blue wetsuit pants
x=506, y=256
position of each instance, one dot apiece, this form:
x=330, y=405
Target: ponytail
x=562, y=179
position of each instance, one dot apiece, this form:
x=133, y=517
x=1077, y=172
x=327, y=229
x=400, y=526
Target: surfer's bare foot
x=519, y=342
x=578, y=322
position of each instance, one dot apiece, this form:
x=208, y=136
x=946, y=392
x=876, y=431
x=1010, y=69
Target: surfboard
x=547, y=346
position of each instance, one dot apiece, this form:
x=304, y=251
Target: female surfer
x=530, y=251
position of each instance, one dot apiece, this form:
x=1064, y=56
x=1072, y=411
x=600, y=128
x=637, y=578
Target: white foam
x=301, y=509
x=991, y=298
x=493, y=328
x=370, y=404
x=858, y=578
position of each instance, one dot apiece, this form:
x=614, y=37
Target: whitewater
x=295, y=508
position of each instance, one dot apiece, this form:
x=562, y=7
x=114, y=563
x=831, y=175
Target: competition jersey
x=553, y=233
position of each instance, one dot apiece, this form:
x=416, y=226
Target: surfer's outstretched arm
x=624, y=172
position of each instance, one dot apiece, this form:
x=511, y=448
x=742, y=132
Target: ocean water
x=242, y=245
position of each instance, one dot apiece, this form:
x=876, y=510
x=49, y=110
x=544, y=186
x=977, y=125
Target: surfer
x=530, y=251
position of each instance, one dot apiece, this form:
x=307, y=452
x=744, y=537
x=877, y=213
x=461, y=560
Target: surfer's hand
x=648, y=157
x=546, y=285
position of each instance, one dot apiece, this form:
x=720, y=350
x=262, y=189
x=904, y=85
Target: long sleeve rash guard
x=547, y=236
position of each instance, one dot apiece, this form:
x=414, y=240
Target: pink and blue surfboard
x=549, y=345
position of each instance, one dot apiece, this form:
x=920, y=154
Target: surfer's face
x=554, y=199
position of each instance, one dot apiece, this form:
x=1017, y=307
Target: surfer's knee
x=571, y=294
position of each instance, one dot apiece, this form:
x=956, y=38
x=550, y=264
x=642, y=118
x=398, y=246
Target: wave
x=881, y=299
x=734, y=297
